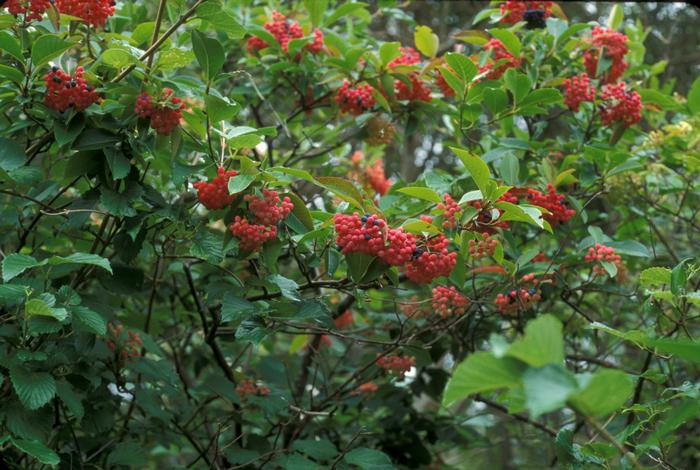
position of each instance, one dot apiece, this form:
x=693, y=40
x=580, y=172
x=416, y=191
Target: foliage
x=205, y=265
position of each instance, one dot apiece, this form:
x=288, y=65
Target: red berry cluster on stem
x=578, y=89
x=64, y=91
x=450, y=209
x=620, y=105
x=285, y=30
x=513, y=11
x=416, y=90
x=214, y=194
x=498, y=53
x=370, y=234
x=610, y=44
x=248, y=387
x=447, y=301
x=482, y=248
x=94, y=12
x=126, y=344
x=431, y=260
x=31, y=9
x=552, y=202
x=266, y=212
x=516, y=300
x=396, y=365
x=355, y=100
x=376, y=178
x=165, y=114
x=600, y=253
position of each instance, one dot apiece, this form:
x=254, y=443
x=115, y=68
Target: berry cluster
x=126, y=344
x=94, y=12
x=269, y=209
x=366, y=389
x=450, y=208
x=355, y=100
x=370, y=234
x=499, y=53
x=165, y=114
x=64, y=91
x=620, y=105
x=416, y=90
x=578, y=89
x=482, y=248
x=214, y=194
x=516, y=300
x=284, y=30
x=396, y=365
x=442, y=84
x=599, y=253
x=447, y=301
x=552, y=202
x=344, y=320
x=31, y=9
x=612, y=45
x=380, y=132
x=248, y=387
x=431, y=261
x=376, y=179
x=487, y=217
x=266, y=211
x=514, y=11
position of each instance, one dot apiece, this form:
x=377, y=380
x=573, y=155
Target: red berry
x=269, y=209
x=31, y=9
x=64, y=91
x=450, y=208
x=578, y=89
x=447, y=301
x=620, y=105
x=396, y=365
x=430, y=261
x=284, y=30
x=94, y=12
x=355, y=100
x=612, y=45
x=513, y=11
x=165, y=115
x=251, y=236
x=375, y=177
x=498, y=53
x=214, y=194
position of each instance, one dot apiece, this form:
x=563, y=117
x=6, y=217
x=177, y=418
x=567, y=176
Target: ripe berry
x=64, y=91
x=512, y=302
x=248, y=387
x=214, y=194
x=600, y=253
x=355, y=100
x=285, y=30
x=396, y=365
x=498, y=53
x=165, y=114
x=94, y=12
x=578, y=89
x=450, y=208
x=482, y=248
x=447, y=301
x=417, y=90
x=376, y=179
x=442, y=84
x=620, y=105
x=514, y=11
x=31, y=9
x=269, y=209
x=408, y=56
x=431, y=261
x=553, y=202
x=613, y=46
x=126, y=344
x=251, y=236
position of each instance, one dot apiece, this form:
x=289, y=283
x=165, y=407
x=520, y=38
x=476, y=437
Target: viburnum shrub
x=321, y=234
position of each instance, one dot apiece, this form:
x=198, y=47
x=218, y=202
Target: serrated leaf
x=481, y=372
x=88, y=320
x=38, y=451
x=15, y=264
x=82, y=258
x=34, y=389
x=235, y=309
x=287, y=287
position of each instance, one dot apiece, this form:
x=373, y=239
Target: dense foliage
x=205, y=264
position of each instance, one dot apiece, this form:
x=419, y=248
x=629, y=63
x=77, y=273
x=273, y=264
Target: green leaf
x=287, y=287
x=70, y=398
x=12, y=73
x=88, y=320
x=342, y=188
x=542, y=96
x=95, y=139
x=426, y=41
x=11, y=46
x=118, y=58
x=462, y=65
x=389, y=51
x=221, y=19
x=46, y=48
x=221, y=109
x=34, y=389
x=476, y=167
x=543, y=342
x=41, y=308
x=694, y=97
x=127, y=453
x=15, y=264
x=571, y=30
x=322, y=449
x=235, y=309
x=615, y=17
x=239, y=183
x=684, y=349
x=679, y=414
x=118, y=164
x=518, y=83
x=347, y=10
x=481, y=372
x=473, y=36
x=368, y=459
x=547, y=388
x=38, y=451
x=209, y=53
x=11, y=294
x=82, y=258
x=495, y=99
x=316, y=9
x=655, y=277
x=606, y=391
x=425, y=194
x=508, y=39
x=12, y=154
x=679, y=278
x=172, y=59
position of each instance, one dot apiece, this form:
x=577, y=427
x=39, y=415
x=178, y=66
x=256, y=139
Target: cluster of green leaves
x=101, y=228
